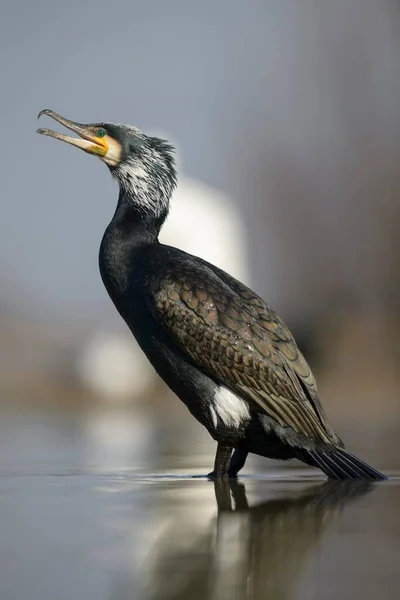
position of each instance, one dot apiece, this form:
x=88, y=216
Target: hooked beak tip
x=87, y=140
x=45, y=111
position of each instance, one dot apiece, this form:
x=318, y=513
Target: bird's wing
x=232, y=335
x=278, y=332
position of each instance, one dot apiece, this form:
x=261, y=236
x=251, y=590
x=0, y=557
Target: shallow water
x=77, y=521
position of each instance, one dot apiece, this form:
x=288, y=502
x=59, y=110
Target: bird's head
x=143, y=166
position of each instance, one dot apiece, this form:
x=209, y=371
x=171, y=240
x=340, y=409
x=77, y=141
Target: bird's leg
x=221, y=462
x=237, y=462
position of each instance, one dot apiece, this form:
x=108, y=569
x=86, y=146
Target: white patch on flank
x=230, y=408
x=214, y=417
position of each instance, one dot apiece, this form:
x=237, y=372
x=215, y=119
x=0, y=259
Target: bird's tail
x=340, y=464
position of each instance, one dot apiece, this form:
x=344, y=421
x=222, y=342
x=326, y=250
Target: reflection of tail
x=260, y=550
x=340, y=464
x=272, y=544
x=327, y=495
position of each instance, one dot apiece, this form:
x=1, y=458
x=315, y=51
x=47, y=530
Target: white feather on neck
x=137, y=182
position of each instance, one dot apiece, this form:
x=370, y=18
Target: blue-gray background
x=290, y=107
x=286, y=116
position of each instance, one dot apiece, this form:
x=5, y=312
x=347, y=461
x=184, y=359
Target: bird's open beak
x=87, y=141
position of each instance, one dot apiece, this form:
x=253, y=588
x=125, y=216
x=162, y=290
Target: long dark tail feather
x=340, y=464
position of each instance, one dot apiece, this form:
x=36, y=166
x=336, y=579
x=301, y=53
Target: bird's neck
x=134, y=224
x=130, y=231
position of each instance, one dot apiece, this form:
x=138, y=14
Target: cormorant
x=217, y=344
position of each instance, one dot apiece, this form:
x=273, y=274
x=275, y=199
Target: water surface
x=78, y=521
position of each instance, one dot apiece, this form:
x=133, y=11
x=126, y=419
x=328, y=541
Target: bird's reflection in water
x=252, y=552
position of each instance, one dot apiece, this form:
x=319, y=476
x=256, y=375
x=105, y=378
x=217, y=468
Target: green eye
x=100, y=133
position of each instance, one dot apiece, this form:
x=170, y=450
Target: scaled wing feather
x=232, y=335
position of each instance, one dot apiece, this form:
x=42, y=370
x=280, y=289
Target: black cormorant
x=217, y=345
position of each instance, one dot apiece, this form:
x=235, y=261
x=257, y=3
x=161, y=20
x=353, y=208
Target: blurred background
x=286, y=117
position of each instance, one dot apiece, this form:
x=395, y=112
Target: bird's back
x=230, y=333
